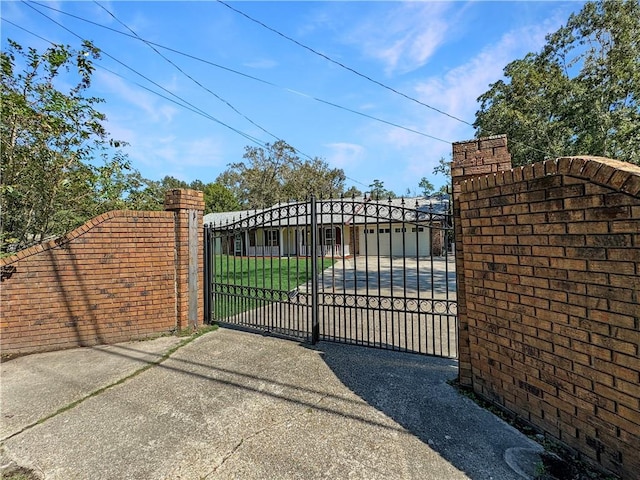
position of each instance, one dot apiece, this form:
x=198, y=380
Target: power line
x=326, y=57
x=352, y=70
x=185, y=105
x=185, y=73
x=193, y=57
x=192, y=107
x=196, y=110
x=251, y=77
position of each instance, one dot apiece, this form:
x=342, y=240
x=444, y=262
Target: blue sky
x=443, y=54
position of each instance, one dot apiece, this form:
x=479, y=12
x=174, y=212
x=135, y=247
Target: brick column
x=471, y=158
x=188, y=208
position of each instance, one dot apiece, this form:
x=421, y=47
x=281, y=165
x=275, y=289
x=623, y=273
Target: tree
x=218, y=198
x=58, y=167
x=258, y=182
x=579, y=95
x=426, y=186
x=377, y=190
x=276, y=174
x=443, y=168
x=313, y=177
x=352, y=191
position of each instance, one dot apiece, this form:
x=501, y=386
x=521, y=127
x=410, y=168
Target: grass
x=20, y=473
x=266, y=279
x=187, y=339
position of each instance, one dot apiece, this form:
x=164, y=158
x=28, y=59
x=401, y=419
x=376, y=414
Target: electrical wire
x=251, y=77
x=184, y=102
x=366, y=77
x=185, y=105
x=196, y=81
x=352, y=70
x=185, y=73
x=195, y=109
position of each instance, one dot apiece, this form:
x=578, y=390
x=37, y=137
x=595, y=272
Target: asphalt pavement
x=231, y=404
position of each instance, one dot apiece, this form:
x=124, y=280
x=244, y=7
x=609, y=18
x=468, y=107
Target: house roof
x=359, y=210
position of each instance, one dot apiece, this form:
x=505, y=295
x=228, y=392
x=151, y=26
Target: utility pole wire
x=326, y=57
x=251, y=77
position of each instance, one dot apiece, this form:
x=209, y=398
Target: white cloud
x=203, y=152
x=152, y=109
x=157, y=156
x=404, y=37
x=456, y=93
x=345, y=155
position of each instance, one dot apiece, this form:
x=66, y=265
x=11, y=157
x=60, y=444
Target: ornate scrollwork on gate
x=429, y=306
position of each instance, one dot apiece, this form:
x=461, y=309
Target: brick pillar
x=188, y=208
x=471, y=158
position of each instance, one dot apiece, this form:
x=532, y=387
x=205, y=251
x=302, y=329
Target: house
x=398, y=227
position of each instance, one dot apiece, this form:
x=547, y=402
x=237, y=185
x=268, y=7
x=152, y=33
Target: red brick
x=571, y=298
x=83, y=280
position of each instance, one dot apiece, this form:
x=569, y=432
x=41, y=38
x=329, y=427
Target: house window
x=252, y=238
x=328, y=236
x=401, y=230
x=272, y=238
x=370, y=230
x=384, y=230
x=420, y=229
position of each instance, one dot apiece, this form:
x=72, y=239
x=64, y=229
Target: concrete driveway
x=238, y=405
x=417, y=277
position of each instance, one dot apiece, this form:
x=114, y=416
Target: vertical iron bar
x=366, y=276
x=380, y=311
x=343, y=228
x=287, y=254
x=334, y=256
x=433, y=293
x=393, y=310
x=403, y=230
x=315, y=326
x=445, y=241
x=419, y=316
x=205, y=273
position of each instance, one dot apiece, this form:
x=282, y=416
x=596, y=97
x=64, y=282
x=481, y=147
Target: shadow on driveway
x=413, y=391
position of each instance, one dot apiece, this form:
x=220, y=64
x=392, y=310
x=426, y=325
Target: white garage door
x=410, y=241
x=398, y=240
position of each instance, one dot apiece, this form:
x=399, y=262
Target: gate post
x=471, y=158
x=315, y=325
x=188, y=208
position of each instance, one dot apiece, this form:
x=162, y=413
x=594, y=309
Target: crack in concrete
x=235, y=449
x=149, y=364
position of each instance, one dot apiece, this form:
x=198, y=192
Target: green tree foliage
x=377, y=190
x=150, y=194
x=218, y=198
x=352, y=191
x=443, y=168
x=58, y=168
x=579, y=95
x=276, y=174
x=426, y=187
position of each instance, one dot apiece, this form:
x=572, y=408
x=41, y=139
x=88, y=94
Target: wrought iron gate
x=361, y=271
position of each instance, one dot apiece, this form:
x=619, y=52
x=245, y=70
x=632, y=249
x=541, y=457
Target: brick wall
x=550, y=255
x=116, y=278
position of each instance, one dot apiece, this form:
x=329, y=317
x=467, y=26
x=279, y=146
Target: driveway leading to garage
x=401, y=276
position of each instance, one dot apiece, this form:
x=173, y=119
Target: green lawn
x=266, y=278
